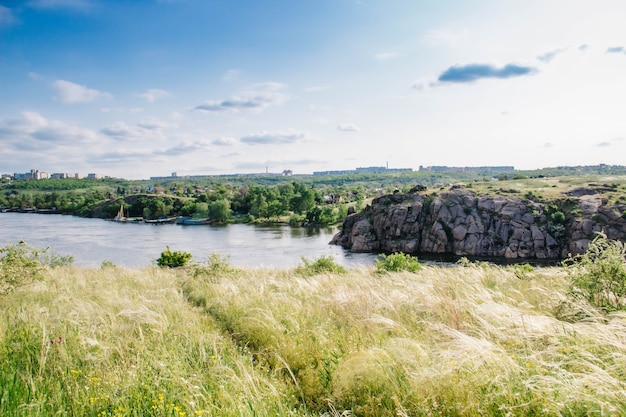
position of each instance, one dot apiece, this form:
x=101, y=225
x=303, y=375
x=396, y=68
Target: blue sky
x=141, y=88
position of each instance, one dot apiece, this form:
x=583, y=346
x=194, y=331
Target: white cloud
x=347, y=127
x=317, y=88
x=386, y=56
x=259, y=97
x=224, y=141
x=32, y=131
x=35, y=76
x=184, y=148
x=69, y=92
x=154, y=124
x=146, y=129
x=231, y=74
x=549, y=56
x=278, y=137
x=154, y=94
x=424, y=84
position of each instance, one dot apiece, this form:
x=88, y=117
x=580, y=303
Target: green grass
x=462, y=341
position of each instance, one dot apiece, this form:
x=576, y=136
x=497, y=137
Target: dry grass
x=464, y=341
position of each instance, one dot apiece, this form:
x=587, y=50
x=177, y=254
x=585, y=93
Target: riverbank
x=479, y=340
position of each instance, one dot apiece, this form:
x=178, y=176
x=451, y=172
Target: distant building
x=444, y=168
x=61, y=176
x=93, y=176
x=34, y=174
x=287, y=173
x=362, y=170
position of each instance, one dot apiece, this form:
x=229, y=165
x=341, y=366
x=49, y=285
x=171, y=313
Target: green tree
x=219, y=210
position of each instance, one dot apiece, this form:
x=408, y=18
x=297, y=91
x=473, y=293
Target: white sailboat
x=120, y=218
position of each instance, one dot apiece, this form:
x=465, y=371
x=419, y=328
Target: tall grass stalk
x=463, y=341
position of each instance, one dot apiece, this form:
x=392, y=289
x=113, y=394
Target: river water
x=92, y=241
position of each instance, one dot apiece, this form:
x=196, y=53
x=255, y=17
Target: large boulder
x=460, y=222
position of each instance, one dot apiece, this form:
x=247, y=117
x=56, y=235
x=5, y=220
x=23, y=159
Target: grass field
x=479, y=340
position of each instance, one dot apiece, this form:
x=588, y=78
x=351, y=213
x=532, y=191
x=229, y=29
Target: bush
x=397, y=262
x=107, y=265
x=21, y=264
x=173, y=259
x=216, y=265
x=557, y=217
x=599, y=275
x=323, y=264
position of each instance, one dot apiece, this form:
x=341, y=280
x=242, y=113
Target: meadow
x=474, y=339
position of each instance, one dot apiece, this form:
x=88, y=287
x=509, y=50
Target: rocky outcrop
x=460, y=222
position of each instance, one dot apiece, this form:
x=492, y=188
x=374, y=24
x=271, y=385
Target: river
x=92, y=241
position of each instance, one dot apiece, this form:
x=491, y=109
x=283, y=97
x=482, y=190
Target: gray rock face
x=459, y=222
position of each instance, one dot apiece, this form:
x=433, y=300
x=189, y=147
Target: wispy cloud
x=317, y=88
x=224, y=141
x=62, y=4
x=549, y=56
x=347, y=127
x=147, y=129
x=185, y=148
x=608, y=143
x=69, y=92
x=35, y=76
x=231, y=74
x=154, y=124
x=154, y=94
x=423, y=84
x=272, y=138
x=6, y=16
x=474, y=72
x=616, y=50
x=257, y=98
x=386, y=56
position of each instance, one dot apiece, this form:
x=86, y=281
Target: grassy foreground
x=465, y=341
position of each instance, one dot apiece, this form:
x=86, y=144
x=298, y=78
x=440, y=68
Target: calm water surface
x=92, y=241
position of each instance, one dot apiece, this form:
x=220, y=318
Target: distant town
x=36, y=174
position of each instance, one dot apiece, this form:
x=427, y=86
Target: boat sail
x=120, y=218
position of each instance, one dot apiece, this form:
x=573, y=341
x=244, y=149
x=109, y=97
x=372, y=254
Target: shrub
x=523, y=271
x=599, y=275
x=216, y=265
x=20, y=265
x=323, y=264
x=397, y=262
x=557, y=231
x=557, y=217
x=107, y=264
x=173, y=259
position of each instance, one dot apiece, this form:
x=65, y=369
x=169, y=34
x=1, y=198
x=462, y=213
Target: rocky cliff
x=460, y=222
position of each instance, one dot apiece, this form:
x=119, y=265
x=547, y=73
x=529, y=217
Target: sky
x=141, y=88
